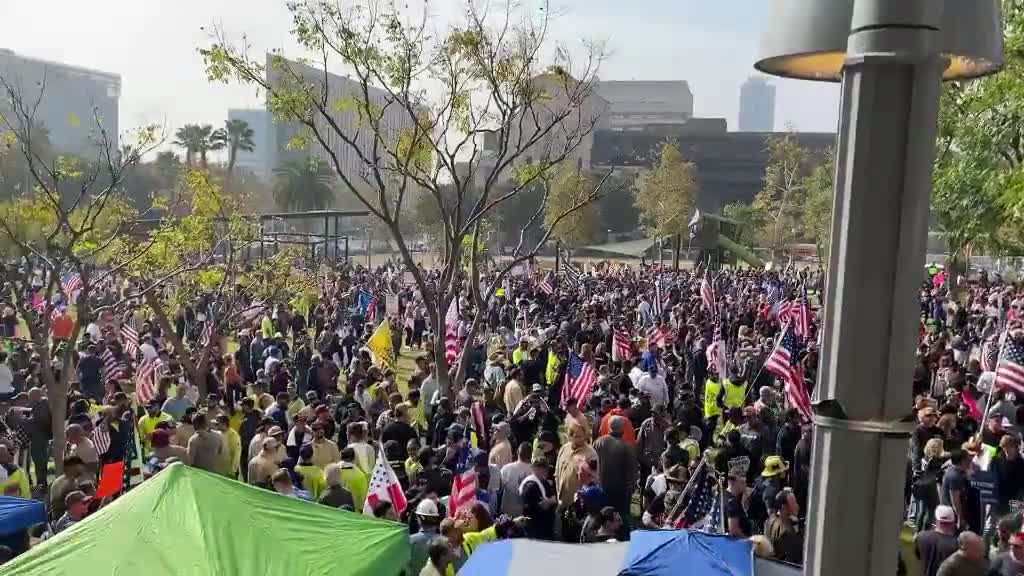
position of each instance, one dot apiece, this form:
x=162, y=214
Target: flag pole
x=670, y=520
x=992, y=388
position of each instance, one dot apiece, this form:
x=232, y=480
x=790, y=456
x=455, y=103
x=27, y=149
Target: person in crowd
x=969, y=560
x=419, y=543
x=932, y=547
x=206, y=447
x=539, y=501
x=1011, y=562
x=782, y=528
x=617, y=467
x=76, y=507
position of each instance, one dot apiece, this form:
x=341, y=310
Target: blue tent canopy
x=661, y=552
x=17, y=514
x=648, y=553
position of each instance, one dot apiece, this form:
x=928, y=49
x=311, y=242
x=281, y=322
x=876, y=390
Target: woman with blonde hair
x=925, y=484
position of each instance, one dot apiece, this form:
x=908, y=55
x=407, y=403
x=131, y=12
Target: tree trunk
x=195, y=376
x=676, y=247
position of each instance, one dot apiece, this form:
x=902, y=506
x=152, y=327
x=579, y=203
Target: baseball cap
x=536, y=388
x=945, y=514
x=270, y=443
x=274, y=431
x=427, y=507
x=76, y=496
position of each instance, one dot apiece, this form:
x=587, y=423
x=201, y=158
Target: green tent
x=185, y=521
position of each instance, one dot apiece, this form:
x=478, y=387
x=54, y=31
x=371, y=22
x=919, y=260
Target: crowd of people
x=578, y=408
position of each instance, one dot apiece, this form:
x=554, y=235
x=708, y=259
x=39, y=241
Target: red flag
x=111, y=480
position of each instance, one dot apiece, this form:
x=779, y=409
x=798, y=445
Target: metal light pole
x=891, y=56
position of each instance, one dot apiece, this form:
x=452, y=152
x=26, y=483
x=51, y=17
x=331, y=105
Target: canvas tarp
x=648, y=553
x=188, y=522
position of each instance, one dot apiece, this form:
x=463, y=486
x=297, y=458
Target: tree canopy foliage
x=665, y=195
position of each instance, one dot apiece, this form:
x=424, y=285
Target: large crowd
x=583, y=406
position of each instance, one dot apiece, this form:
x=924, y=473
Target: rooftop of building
x=108, y=76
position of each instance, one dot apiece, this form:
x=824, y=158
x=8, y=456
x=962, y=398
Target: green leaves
x=665, y=195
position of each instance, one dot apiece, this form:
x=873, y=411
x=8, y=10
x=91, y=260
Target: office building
x=730, y=165
x=757, y=106
x=346, y=120
x=632, y=105
x=73, y=99
x=261, y=122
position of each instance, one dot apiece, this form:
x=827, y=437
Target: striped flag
x=130, y=337
x=113, y=369
x=1010, y=367
x=208, y=330
x=573, y=277
x=990, y=354
x=716, y=353
x=656, y=301
x=707, y=293
x=132, y=454
x=546, y=285
x=622, y=348
x=101, y=438
x=71, y=283
x=384, y=487
x=145, y=381
x=464, y=483
x=784, y=362
x=657, y=335
x=580, y=378
x=451, y=332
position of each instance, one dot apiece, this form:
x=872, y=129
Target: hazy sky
x=152, y=45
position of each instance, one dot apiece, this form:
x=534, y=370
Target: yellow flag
x=380, y=346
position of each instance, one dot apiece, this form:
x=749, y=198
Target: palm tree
x=196, y=139
x=306, y=184
x=235, y=135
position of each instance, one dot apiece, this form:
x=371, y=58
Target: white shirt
x=148, y=351
x=655, y=387
x=6, y=380
x=512, y=475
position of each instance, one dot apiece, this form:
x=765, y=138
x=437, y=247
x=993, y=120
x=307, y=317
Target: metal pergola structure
x=330, y=241
x=334, y=243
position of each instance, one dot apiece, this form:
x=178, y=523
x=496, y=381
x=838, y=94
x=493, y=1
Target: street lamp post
x=891, y=56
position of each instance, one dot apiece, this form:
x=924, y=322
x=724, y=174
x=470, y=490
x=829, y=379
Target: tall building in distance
x=757, y=105
x=395, y=119
x=635, y=104
x=259, y=160
x=73, y=98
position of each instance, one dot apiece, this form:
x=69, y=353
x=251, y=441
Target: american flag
x=784, y=362
x=101, y=438
x=208, y=330
x=130, y=337
x=546, y=286
x=1010, y=367
x=704, y=509
x=656, y=301
x=716, y=353
x=580, y=378
x=464, y=484
x=573, y=277
x=145, y=381
x=773, y=292
x=990, y=354
x=132, y=454
x=707, y=293
x=113, y=368
x=365, y=301
x=621, y=346
x=384, y=487
x=451, y=332
x=658, y=335
x=798, y=313
x=71, y=283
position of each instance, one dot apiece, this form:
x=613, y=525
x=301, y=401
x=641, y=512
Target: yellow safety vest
x=711, y=408
x=735, y=395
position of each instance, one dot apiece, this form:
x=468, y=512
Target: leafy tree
x=491, y=74
x=306, y=184
x=196, y=140
x=751, y=222
x=978, y=182
x=70, y=219
x=568, y=187
x=783, y=196
x=235, y=136
x=817, y=221
x=665, y=195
